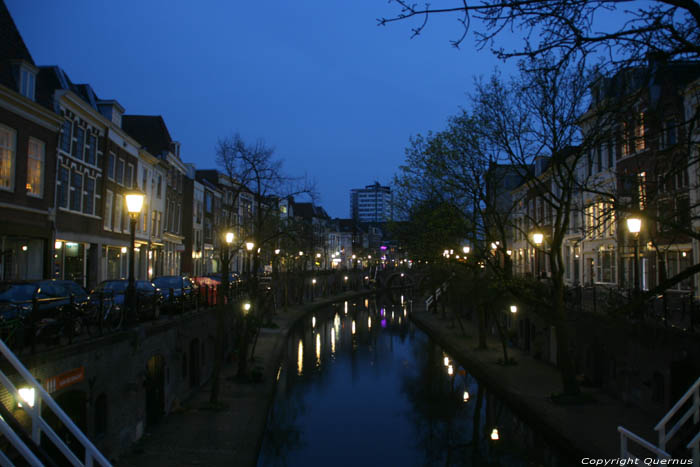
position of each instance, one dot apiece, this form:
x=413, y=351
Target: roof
x=51, y=78
x=149, y=130
x=12, y=47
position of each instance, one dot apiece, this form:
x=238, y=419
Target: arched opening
x=155, y=389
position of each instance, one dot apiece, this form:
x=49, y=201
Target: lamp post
x=225, y=260
x=134, y=203
x=634, y=225
x=537, y=237
x=249, y=246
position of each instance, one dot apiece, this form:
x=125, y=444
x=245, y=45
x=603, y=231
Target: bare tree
x=258, y=186
x=572, y=29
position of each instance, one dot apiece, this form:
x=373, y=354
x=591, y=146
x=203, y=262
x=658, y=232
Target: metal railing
x=626, y=435
x=39, y=425
x=692, y=411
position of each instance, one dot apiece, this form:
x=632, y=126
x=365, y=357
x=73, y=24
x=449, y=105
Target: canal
x=361, y=385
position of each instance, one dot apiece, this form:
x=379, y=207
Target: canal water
x=361, y=386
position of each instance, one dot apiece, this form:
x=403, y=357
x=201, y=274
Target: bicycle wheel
x=114, y=317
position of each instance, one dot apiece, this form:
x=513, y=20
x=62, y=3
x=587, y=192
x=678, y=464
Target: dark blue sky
x=335, y=94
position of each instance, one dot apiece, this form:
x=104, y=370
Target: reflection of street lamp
x=634, y=225
x=313, y=288
x=134, y=203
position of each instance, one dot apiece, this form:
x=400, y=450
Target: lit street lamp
x=537, y=237
x=249, y=246
x=134, y=203
x=634, y=225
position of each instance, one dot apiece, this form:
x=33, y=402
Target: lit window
x=35, y=168
x=639, y=141
x=642, y=189
x=8, y=139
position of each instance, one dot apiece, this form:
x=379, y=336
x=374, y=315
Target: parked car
x=110, y=297
x=177, y=291
x=56, y=312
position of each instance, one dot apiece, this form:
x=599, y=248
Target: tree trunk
x=564, y=358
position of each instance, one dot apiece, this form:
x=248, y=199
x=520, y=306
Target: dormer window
x=26, y=79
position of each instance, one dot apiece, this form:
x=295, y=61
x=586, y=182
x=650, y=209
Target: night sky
x=335, y=94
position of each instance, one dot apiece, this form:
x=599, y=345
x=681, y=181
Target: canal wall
x=118, y=386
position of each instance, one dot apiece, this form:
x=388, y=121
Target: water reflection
x=387, y=395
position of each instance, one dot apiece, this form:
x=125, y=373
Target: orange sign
x=58, y=382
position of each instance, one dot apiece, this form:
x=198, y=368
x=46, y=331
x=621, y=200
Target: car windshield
x=168, y=282
x=16, y=292
x=113, y=286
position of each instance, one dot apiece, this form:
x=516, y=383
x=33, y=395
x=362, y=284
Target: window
x=639, y=133
x=118, y=205
x=91, y=151
x=153, y=223
x=160, y=185
x=76, y=190
x=89, y=196
x=110, y=165
x=144, y=218
x=62, y=187
x=66, y=136
x=670, y=137
x=159, y=230
x=207, y=202
x=129, y=176
x=605, y=264
x=144, y=182
x=8, y=140
x=35, y=168
x=642, y=189
x=120, y=171
x=611, y=154
x=78, y=144
x=26, y=83
x=599, y=157
x=625, y=143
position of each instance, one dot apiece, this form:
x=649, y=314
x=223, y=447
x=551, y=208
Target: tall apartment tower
x=371, y=203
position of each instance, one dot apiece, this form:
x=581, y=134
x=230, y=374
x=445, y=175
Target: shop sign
x=69, y=378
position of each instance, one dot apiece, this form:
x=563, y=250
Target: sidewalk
x=588, y=430
x=196, y=435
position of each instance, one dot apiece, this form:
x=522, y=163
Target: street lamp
x=537, y=237
x=466, y=250
x=513, y=309
x=226, y=259
x=134, y=203
x=634, y=225
x=249, y=246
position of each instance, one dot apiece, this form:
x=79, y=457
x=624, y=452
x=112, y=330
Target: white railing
x=39, y=425
x=693, y=411
x=626, y=435
x=694, y=446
